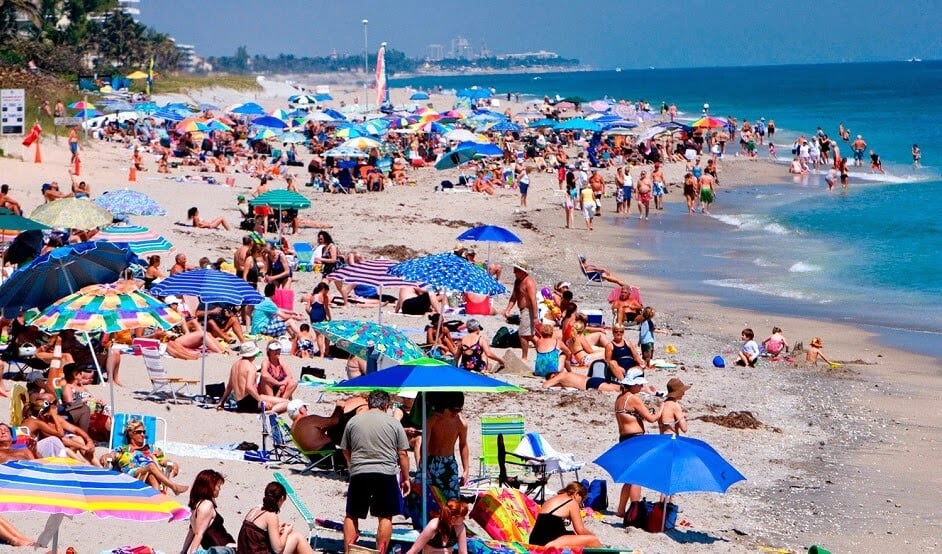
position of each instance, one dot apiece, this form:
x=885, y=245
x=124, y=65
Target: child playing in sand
x=303, y=343
x=749, y=352
x=815, y=353
x=776, y=343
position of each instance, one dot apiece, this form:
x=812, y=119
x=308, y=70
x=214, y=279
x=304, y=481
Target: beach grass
x=183, y=82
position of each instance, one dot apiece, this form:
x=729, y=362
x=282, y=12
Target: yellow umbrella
x=137, y=75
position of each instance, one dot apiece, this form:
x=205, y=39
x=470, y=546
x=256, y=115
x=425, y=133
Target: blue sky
x=602, y=33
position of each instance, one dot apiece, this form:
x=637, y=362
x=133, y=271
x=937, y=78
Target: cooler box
x=594, y=317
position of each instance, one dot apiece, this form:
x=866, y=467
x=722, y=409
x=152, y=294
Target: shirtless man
x=7, y=202
x=180, y=265
x=242, y=254
x=241, y=385
x=644, y=195
x=707, y=192
x=524, y=296
x=859, y=146
x=659, y=188
x=598, y=189
x=445, y=428
x=605, y=274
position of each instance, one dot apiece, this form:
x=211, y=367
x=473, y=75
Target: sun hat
x=522, y=265
x=274, y=345
x=294, y=407
x=634, y=377
x=718, y=361
x=676, y=388
x=170, y=300
x=248, y=350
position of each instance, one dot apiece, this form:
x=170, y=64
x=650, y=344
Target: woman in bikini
x=550, y=527
x=444, y=532
x=630, y=416
x=275, y=379
x=263, y=533
x=672, y=418
x=548, y=352
x=580, y=343
x=473, y=350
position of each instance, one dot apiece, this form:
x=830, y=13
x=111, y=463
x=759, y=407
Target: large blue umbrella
x=552, y=123
x=358, y=337
x=248, y=108
x=579, y=124
x=419, y=96
x=449, y=271
x=269, y=121
x=61, y=272
x=504, y=126
x=129, y=202
x=424, y=375
x=211, y=286
x=484, y=149
x=669, y=464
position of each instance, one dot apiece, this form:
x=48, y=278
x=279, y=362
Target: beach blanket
x=212, y=452
x=478, y=545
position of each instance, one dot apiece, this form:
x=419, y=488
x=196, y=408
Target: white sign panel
x=12, y=111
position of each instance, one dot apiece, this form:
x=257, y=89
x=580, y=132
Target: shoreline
x=871, y=417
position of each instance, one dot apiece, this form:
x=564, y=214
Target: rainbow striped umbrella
x=107, y=308
x=64, y=486
x=141, y=240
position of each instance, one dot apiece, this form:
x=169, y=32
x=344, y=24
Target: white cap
x=294, y=407
x=634, y=377
x=172, y=300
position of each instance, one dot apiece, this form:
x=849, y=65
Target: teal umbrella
x=281, y=199
x=424, y=375
x=358, y=337
x=9, y=221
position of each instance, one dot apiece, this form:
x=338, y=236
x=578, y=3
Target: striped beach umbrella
x=129, y=202
x=107, y=308
x=211, y=286
x=141, y=240
x=374, y=273
x=64, y=486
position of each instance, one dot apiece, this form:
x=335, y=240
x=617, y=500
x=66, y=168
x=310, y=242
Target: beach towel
x=508, y=515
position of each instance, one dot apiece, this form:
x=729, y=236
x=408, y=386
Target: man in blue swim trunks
x=446, y=427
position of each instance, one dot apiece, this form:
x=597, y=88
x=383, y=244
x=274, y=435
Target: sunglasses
x=139, y=432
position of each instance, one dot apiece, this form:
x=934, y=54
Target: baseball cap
x=294, y=407
x=274, y=345
x=172, y=300
x=634, y=377
x=240, y=198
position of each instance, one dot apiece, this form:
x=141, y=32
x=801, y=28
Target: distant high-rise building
x=435, y=53
x=485, y=52
x=461, y=48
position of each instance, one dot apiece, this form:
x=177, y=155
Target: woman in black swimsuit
x=630, y=415
x=444, y=532
x=207, y=528
x=550, y=527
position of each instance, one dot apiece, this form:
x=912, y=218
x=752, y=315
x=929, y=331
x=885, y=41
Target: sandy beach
x=843, y=458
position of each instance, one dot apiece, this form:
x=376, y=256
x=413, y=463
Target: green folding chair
x=511, y=426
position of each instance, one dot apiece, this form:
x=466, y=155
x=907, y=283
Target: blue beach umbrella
x=489, y=234
x=504, y=126
x=211, y=286
x=248, y=108
x=419, y=96
x=579, y=124
x=669, y=464
x=455, y=158
x=61, y=272
x=129, y=202
x=335, y=114
x=323, y=97
x=449, y=271
x=269, y=121
x=292, y=138
x=172, y=114
x=483, y=149
x=552, y=123
x=146, y=107
x=86, y=114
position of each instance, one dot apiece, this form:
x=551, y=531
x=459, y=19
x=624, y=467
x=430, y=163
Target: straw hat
x=522, y=265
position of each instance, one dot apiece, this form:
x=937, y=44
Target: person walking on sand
x=644, y=195
x=446, y=428
x=376, y=448
x=524, y=297
x=707, y=192
x=659, y=186
x=587, y=202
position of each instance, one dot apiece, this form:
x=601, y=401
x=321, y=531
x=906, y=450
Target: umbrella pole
x=101, y=377
x=379, y=318
x=424, y=477
x=667, y=502
x=203, y=357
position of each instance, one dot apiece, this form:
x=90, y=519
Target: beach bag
x=505, y=338
x=597, y=498
x=637, y=514
x=98, y=426
x=656, y=517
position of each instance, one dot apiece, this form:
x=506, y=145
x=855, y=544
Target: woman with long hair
x=444, y=532
x=263, y=533
x=207, y=528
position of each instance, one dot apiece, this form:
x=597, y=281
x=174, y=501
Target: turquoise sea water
x=869, y=256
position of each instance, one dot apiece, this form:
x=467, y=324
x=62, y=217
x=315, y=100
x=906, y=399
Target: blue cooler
x=594, y=317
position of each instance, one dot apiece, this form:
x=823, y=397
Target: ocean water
x=869, y=256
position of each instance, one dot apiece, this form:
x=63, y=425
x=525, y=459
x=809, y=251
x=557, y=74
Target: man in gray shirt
x=376, y=448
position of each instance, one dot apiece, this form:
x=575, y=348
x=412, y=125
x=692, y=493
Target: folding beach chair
x=590, y=276
x=305, y=253
x=162, y=385
x=531, y=472
x=285, y=449
x=22, y=358
x=534, y=446
x=151, y=424
x=511, y=426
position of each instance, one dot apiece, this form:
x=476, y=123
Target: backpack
x=505, y=338
x=597, y=498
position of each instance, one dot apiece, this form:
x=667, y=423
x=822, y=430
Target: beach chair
x=285, y=449
x=591, y=277
x=510, y=426
x=531, y=472
x=152, y=424
x=162, y=385
x=22, y=358
x=305, y=253
x=534, y=446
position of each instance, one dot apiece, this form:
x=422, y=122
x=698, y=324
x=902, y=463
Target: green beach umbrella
x=281, y=199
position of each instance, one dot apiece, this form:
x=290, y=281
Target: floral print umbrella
x=449, y=271
x=129, y=202
x=356, y=337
